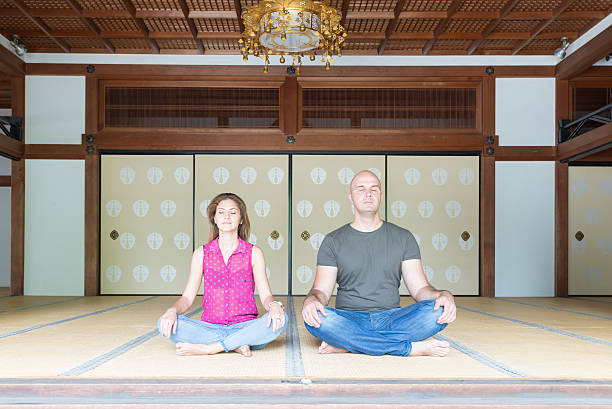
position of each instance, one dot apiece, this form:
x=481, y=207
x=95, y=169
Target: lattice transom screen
x=190, y=107
x=390, y=108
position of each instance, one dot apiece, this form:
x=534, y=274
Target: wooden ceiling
x=375, y=27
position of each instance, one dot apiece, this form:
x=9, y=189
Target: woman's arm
x=169, y=319
x=276, y=314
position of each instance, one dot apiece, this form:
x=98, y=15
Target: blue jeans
x=254, y=333
x=379, y=333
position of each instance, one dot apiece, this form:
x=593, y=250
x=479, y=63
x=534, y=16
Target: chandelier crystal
x=293, y=29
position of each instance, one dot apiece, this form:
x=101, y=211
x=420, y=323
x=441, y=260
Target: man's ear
x=350, y=198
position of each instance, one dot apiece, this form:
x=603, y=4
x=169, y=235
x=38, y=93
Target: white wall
x=54, y=227
x=524, y=229
x=54, y=109
x=525, y=111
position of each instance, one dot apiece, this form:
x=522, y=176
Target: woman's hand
x=168, y=322
x=276, y=316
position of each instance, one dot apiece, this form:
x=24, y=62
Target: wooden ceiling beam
x=583, y=58
x=504, y=36
x=239, y=11
x=399, y=7
x=370, y=15
x=159, y=13
x=505, y=11
x=412, y=36
x=76, y=7
x=423, y=14
x=10, y=64
x=344, y=12
x=540, y=27
x=452, y=9
x=141, y=25
x=40, y=24
x=220, y=36
x=192, y=28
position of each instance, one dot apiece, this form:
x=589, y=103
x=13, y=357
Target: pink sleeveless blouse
x=229, y=289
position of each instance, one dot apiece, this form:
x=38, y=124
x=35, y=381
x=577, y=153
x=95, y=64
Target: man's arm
x=319, y=295
x=420, y=289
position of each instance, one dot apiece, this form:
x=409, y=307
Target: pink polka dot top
x=229, y=289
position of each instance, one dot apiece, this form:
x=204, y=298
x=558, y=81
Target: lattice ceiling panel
x=65, y=24
x=572, y=25
x=156, y=4
x=416, y=25
x=368, y=5
x=537, y=5
x=116, y=24
x=84, y=43
x=101, y=4
x=178, y=44
x=415, y=30
x=478, y=5
x=590, y=5
x=217, y=25
x=427, y=5
x=210, y=5
x=366, y=26
x=167, y=25
x=466, y=26
x=46, y=4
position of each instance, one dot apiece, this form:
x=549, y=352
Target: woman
x=230, y=268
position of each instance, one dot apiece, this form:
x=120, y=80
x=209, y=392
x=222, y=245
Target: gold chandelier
x=292, y=28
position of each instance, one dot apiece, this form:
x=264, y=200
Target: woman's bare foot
x=184, y=348
x=430, y=347
x=244, y=350
x=325, y=348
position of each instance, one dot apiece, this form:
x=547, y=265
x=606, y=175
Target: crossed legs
x=401, y=331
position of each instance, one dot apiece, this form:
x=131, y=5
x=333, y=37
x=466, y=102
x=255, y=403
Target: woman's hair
x=244, y=228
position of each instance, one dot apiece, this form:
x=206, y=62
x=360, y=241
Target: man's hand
x=309, y=311
x=447, y=301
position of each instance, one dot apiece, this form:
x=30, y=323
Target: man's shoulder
x=338, y=232
x=394, y=228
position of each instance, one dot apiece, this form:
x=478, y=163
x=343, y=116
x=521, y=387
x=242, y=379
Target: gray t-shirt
x=369, y=265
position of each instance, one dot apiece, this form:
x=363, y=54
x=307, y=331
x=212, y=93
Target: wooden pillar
x=92, y=191
x=18, y=194
x=487, y=192
x=561, y=198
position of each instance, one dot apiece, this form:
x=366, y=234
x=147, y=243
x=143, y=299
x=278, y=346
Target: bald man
x=368, y=258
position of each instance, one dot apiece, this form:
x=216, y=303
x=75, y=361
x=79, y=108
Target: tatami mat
x=115, y=336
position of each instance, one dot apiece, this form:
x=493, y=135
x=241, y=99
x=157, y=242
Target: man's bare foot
x=325, y=348
x=430, y=347
x=244, y=350
x=184, y=349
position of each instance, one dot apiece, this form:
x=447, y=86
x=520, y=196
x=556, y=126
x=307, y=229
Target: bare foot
x=244, y=350
x=184, y=348
x=325, y=348
x=430, y=347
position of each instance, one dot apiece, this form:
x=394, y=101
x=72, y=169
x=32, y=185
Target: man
x=367, y=258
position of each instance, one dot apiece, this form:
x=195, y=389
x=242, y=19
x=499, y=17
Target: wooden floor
x=110, y=342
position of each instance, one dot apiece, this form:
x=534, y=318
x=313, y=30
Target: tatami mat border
x=482, y=358
x=26, y=307
x=89, y=314
x=544, y=327
x=590, y=299
x=550, y=307
x=294, y=365
x=120, y=350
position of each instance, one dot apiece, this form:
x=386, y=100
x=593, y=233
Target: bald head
x=364, y=176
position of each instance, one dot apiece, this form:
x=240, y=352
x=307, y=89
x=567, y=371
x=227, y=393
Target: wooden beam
x=584, y=57
x=344, y=12
x=10, y=64
x=10, y=147
x=452, y=9
x=487, y=193
x=215, y=14
x=526, y=153
x=372, y=15
x=510, y=4
x=238, y=8
x=159, y=14
x=417, y=36
x=561, y=229
x=141, y=25
x=423, y=14
x=192, y=28
x=540, y=27
x=5, y=181
x=594, y=141
x=91, y=279
x=40, y=24
x=54, y=151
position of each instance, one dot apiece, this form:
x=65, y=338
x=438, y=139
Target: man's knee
x=326, y=322
x=430, y=315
